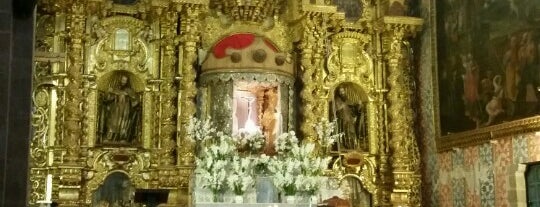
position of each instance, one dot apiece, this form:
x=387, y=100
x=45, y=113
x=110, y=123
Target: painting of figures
x=488, y=62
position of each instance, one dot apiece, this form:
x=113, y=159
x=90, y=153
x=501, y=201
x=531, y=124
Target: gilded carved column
x=70, y=172
x=403, y=144
x=190, y=36
x=73, y=113
x=312, y=54
x=168, y=22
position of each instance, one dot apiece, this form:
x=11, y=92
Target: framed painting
x=488, y=66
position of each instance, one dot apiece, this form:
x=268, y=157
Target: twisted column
x=312, y=94
x=405, y=156
x=73, y=115
x=168, y=22
x=190, y=39
x=70, y=171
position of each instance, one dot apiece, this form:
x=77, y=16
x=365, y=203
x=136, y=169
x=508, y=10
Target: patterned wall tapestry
x=482, y=175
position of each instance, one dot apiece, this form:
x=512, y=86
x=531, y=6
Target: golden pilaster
x=89, y=127
x=405, y=165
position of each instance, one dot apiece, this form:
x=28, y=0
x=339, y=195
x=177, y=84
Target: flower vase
x=313, y=200
x=217, y=196
x=290, y=199
x=238, y=199
x=266, y=191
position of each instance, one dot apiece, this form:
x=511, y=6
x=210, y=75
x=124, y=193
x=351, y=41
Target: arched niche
x=355, y=192
x=120, y=109
x=116, y=190
x=348, y=107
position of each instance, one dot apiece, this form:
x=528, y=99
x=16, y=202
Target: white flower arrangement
x=200, y=130
x=285, y=172
x=309, y=184
x=250, y=142
x=211, y=174
x=214, y=159
x=312, y=169
x=240, y=177
x=261, y=164
x=326, y=132
x=307, y=177
x=285, y=142
x=296, y=168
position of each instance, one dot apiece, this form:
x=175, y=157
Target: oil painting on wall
x=488, y=62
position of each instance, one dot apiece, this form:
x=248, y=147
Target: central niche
x=257, y=108
x=246, y=86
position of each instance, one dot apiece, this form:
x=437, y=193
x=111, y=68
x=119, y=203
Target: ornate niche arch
x=104, y=163
x=350, y=62
x=358, y=171
x=120, y=42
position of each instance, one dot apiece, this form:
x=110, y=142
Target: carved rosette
x=406, y=167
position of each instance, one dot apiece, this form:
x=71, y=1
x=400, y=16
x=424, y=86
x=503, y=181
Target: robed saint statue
x=119, y=112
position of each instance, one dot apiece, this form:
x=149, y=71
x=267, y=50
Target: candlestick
x=48, y=188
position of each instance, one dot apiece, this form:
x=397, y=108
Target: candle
x=48, y=188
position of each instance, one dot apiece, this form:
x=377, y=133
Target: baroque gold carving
x=135, y=57
x=160, y=42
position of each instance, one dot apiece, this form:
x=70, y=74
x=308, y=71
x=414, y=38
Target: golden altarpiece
x=117, y=81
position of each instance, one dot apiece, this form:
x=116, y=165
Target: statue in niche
x=348, y=110
x=119, y=112
x=116, y=191
x=269, y=118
